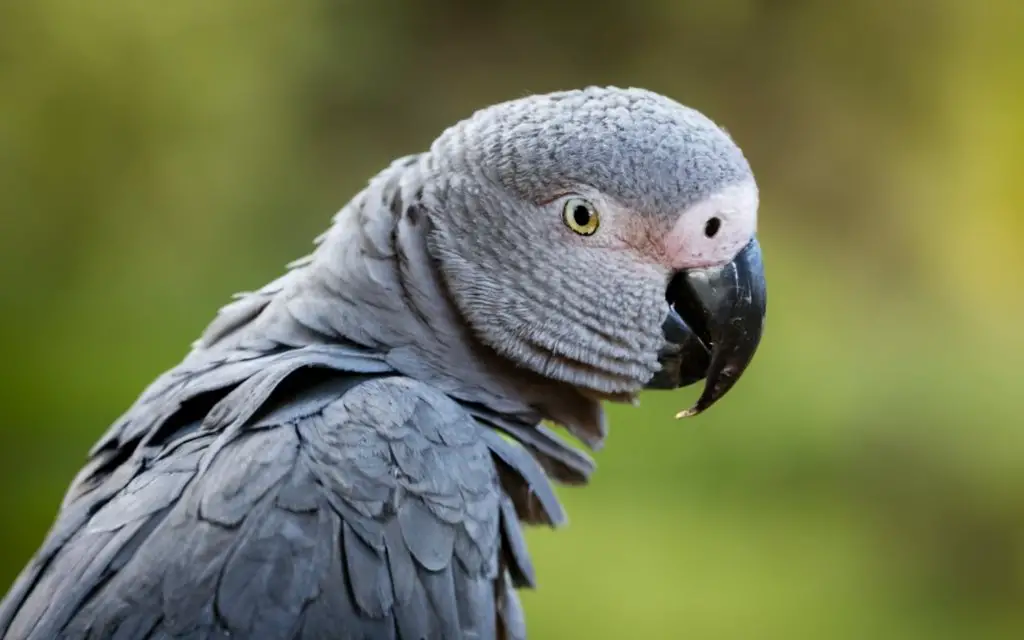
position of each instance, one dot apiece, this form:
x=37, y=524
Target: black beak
x=715, y=321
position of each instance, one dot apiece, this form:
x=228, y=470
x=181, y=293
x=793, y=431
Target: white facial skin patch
x=712, y=232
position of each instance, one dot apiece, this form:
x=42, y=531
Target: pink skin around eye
x=697, y=240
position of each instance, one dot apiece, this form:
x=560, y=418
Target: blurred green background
x=865, y=479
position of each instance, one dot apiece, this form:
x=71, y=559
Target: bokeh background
x=865, y=479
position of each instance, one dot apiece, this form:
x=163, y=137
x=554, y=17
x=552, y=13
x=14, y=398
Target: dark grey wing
x=370, y=512
x=209, y=389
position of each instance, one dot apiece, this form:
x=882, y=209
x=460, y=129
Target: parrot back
x=304, y=493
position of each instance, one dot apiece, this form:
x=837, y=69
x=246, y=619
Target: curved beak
x=714, y=325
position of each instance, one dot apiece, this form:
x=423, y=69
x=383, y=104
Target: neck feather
x=371, y=281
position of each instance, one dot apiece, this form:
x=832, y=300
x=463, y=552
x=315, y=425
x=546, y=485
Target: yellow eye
x=580, y=216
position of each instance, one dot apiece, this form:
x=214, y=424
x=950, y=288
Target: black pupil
x=581, y=215
x=712, y=226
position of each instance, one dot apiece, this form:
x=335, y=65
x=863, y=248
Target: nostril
x=712, y=226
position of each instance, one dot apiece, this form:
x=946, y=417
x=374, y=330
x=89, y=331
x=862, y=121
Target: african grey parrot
x=352, y=450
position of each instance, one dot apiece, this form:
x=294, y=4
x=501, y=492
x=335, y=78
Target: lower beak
x=714, y=325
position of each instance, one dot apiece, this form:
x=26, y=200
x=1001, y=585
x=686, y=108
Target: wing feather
x=367, y=511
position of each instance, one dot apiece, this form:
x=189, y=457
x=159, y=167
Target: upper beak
x=715, y=321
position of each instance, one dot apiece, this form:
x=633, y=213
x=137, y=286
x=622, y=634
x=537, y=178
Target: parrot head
x=604, y=238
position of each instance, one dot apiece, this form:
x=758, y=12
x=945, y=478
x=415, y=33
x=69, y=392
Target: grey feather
x=526, y=483
x=369, y=575
x=520, y=566
x=429, y=539
x=560, y=461
x=510, y=611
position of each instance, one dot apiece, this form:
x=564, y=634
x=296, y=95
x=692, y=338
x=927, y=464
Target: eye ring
x=581, y=216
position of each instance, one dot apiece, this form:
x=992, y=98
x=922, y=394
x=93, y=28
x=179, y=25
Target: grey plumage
x=349, y=505
x=351, y=451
